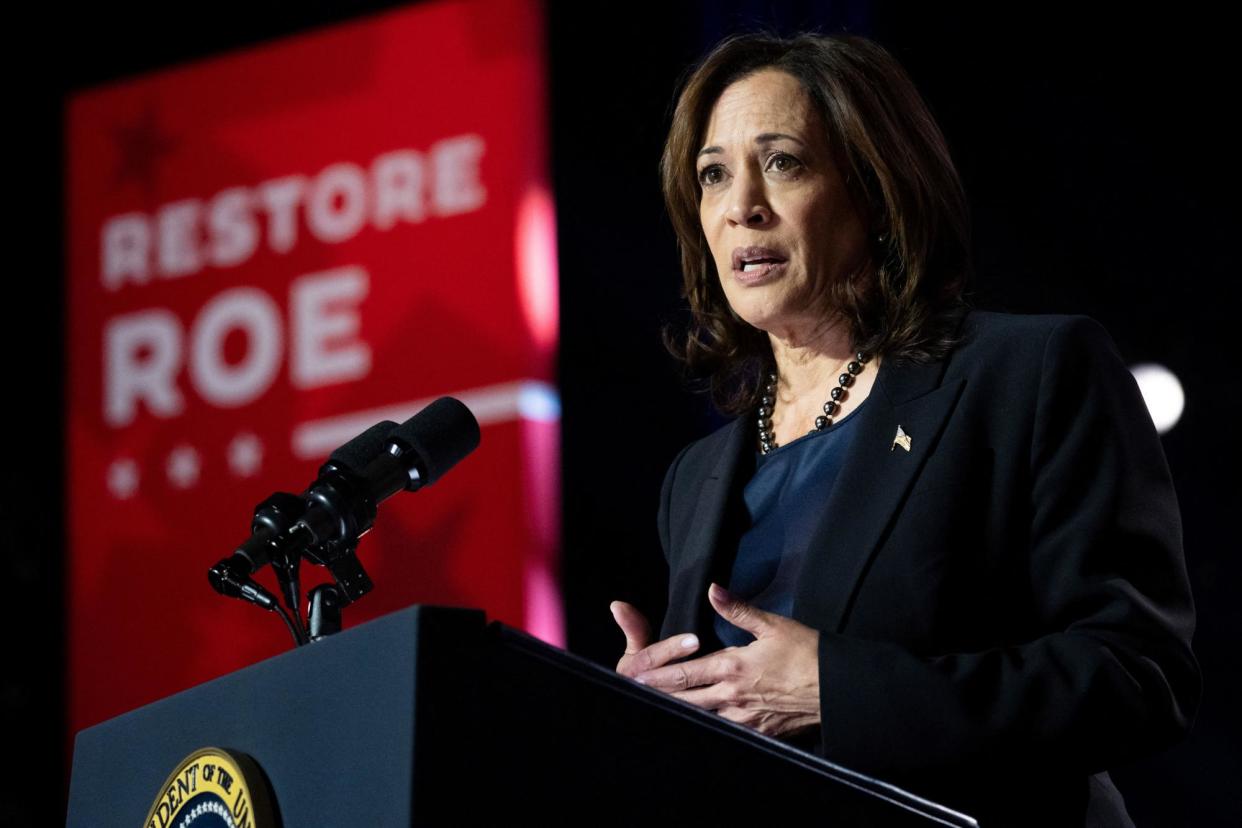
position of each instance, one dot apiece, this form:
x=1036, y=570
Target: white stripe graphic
x=524, y=400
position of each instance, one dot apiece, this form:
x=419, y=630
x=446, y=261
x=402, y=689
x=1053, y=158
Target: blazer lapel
x=688, y=608
x=875, y=477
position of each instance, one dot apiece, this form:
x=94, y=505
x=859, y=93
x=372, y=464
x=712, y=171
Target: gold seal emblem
x=213, y=788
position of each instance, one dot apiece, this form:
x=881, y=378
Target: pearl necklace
x=767, y=437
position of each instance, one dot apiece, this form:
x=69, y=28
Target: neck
x=808, y=361
x=808, y=365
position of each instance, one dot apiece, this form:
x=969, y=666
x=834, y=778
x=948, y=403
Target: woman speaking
x=936, y=545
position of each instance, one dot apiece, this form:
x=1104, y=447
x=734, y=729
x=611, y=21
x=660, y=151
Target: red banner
x=269, y=252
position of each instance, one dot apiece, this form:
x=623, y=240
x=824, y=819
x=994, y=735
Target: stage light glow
x=537, y=266
x=1162, y=392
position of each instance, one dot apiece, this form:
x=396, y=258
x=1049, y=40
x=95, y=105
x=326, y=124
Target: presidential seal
x=214, y=788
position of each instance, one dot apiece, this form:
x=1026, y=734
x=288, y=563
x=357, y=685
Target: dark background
x=1102, y=176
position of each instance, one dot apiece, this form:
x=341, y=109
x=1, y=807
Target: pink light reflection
x=535, y=255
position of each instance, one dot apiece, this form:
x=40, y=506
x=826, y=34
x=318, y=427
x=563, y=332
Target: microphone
x=326, y=522
x=226, y=582
x=342, y=504
x=276, y=516
x=440, y=436
x=361, y=450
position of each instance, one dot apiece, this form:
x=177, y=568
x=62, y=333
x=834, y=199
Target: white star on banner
x=123, y=478
x=245, y=453
x=182, y=466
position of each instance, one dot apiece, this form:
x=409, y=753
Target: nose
x=756, y=215
x=749, y=203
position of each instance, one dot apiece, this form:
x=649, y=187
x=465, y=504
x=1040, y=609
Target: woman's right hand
x=640, y=654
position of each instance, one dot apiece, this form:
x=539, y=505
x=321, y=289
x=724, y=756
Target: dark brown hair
x=906, y=301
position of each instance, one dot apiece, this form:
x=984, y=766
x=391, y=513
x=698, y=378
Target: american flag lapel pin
x=901, y=439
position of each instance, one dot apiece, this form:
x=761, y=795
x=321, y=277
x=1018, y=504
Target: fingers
x=725, y=700
x=690, y=674
x=711, y=697
x=640, y=654
x=633, y=624
x=658, y=655
x=740, y=614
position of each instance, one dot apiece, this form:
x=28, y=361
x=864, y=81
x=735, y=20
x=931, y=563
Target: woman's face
x=774, y=208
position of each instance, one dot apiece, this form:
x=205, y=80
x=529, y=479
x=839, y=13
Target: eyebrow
x=762, y=138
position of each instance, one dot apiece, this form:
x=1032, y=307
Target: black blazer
x=1004, y=608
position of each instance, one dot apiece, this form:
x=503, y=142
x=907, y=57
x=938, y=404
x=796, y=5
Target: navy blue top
x=783, y=499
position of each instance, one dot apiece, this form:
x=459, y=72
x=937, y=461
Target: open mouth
x=756, y=259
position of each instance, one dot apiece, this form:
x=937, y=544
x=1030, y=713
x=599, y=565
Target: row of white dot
x=210, y=806
x=183, y=466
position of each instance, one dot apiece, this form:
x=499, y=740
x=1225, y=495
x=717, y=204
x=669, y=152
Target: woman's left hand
x=771, y=684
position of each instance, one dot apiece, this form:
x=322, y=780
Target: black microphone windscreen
x=358, y=452
x=442, y=434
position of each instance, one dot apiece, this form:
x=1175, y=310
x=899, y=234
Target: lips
x=756, y=260
x=755, y=266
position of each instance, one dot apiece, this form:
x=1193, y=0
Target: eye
x=783, y=162
x=711, y=174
